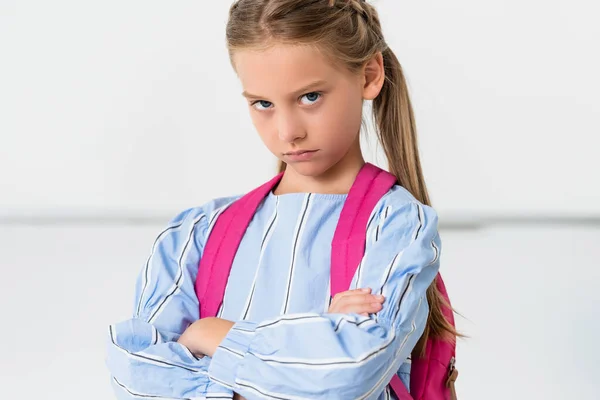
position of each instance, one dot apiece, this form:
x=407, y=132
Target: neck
x=336, y=180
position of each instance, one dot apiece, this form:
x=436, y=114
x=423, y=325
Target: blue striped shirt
x=284, y=344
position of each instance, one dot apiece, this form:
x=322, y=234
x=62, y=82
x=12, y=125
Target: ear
x=373, y=77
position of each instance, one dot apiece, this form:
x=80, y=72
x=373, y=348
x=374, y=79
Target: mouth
x=298, y=152
x=299, y=155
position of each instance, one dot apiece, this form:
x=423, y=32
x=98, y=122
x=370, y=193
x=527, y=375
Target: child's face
x=291, y=114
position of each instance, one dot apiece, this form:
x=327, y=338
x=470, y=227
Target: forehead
x=283, y=68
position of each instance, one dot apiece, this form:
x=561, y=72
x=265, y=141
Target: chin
x=311, y=169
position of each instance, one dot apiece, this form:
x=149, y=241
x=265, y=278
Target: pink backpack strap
x=349, y=239
x=429, y=374
x=399, y=389
x=222, y=245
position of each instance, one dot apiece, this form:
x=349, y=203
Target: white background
x=113, y=112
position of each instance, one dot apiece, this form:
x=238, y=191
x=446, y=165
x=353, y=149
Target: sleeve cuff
x=230, y=353
x=217, y=391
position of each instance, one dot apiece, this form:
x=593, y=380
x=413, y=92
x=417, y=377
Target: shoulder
x=399, y=213
x=397, y=196
x=400, y=198
x=197, y=221
x=208, y=209
x=401, y=238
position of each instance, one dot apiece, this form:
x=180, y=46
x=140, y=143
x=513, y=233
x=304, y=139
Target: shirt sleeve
x=143, y=356
x=343, y=356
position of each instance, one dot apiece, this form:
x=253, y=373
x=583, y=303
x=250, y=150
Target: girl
x=306, y=67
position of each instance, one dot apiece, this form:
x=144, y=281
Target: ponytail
x=396, y=130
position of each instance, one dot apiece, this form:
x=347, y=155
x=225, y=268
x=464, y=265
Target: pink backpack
x=432, y=376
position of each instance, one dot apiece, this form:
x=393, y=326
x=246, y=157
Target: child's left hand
x=359, y=301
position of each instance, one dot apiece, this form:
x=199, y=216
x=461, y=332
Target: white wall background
x=119, y=111
x=120, y=105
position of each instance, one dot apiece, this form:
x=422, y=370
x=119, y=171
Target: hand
x=204, y=336
x=190, y=339
x=359, y=301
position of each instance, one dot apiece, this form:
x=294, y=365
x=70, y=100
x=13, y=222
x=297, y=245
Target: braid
x=369, y=16
x=354, y=5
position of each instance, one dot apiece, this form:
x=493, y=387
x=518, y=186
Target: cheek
x=263, y=126
x=341, y=120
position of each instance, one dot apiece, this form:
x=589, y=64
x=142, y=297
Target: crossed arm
x=204, y=336
x=353, y=357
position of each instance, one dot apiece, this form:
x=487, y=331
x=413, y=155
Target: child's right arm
x=143, y=348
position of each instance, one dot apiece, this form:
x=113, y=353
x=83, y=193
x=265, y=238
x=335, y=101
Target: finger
x=377, y=298
x=351, y=293
x=361, y=308
x=356, y=303
x=357, y=300
x=370, y=308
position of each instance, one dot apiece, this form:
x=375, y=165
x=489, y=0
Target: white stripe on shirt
x=296, y=245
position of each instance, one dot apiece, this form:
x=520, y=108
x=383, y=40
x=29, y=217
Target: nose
x=290, y=128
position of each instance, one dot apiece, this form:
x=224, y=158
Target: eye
x=263, y=105
x=312, y=98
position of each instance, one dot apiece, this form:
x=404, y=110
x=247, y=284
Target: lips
x=298, y=152
x=299, y=155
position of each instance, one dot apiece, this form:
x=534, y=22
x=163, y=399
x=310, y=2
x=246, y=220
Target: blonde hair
x=348, y=31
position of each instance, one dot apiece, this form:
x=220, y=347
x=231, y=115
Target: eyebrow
x=302, y=90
